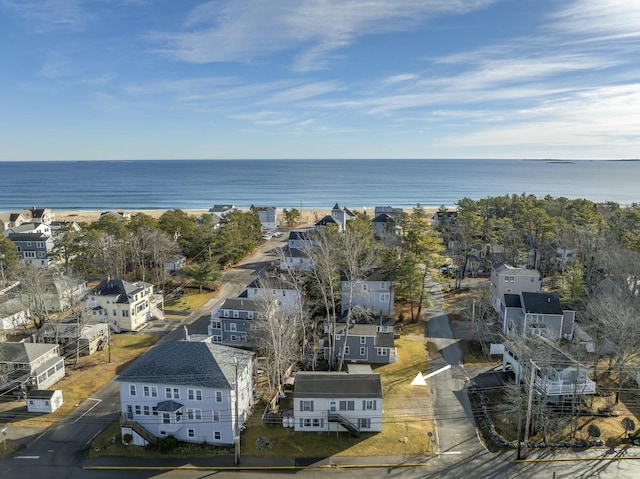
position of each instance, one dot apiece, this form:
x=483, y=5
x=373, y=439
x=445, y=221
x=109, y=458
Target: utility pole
x=532, y=380
x=236, y=439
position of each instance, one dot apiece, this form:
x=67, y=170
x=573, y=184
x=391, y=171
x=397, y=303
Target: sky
x=231, y=79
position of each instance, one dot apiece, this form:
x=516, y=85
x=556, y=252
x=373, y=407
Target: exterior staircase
x=138, y=429
x=344, y=422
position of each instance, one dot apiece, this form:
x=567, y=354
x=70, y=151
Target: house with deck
x=75, y=338
x=506, y=279
x=191, y=390
x=338, y=401
x=25, y=366
x=557, y=375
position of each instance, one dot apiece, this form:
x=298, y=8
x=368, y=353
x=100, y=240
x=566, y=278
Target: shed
x=44, y=400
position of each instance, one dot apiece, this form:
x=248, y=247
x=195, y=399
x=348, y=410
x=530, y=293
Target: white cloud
x=242, y=30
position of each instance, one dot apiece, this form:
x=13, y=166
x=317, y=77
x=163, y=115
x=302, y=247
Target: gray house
x=507, y=279
x=539, y=314
x=33, y=248
x=374, y=293
x=233, y=323
x=365, y=342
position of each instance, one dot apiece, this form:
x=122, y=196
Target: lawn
x=86, y=377
x=180, y=308
x=406, y=417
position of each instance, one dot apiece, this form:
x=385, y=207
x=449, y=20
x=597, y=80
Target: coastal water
x=198, y=184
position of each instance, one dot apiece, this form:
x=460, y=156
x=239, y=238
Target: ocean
x=318, y=184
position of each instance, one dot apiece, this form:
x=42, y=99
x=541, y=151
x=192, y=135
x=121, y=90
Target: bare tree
x=277, y=342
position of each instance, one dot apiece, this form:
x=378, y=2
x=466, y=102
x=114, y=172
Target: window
x=194, y=414
x=42, y=254
x=216, y=325
x=216, y=338
x=318, y=422
x=39, y=244
x=19, y=249
x=29, y=254
x=306, y=406
x=509, y=279
x=305, y=422
x=347, y=405
x=150, y=391
x=172, y=393
x=364, y=423
x=383, y=285
x=154, y=410
x=217, y=435
x=369, y=404
x=363, y=340
x=166, y=418
x=132, y=389
x=191, y=433
x=125, y=313
x=363, y=351
x=218, y=396
x=381, y=351
x=146, y=411
x=138, y=410
x=216, y=416
x=115, y=312
x=236, y=314
x=252, y=327
x=364, y=287
x=250, y=314
x=194, y=394
x=225, y=313
x=346, y=351
x=385, y=297
x=536, y=318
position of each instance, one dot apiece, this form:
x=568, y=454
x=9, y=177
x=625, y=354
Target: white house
x=125, y=306
x=44, y=400
x=272, y=288
x=337, y=401
x=507, y=279
x=194, y=391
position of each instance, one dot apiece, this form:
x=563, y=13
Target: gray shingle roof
x=122, y=289
x=241, y=304
x=169, y=406
x=512, y=300
x=23, y=352
x=541, y=303
x=188, y=363
x=337, y=385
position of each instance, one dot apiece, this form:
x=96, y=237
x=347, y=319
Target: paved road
x=456, y=432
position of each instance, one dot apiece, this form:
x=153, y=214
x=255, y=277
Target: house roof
x=122, y=289
x=70, y=330
x=41, y=393
x=169, y=406
x=188, y=363
x=220, y=208
x=327, y=219
x=382, y=218
x=23, y=352
x=337, y=385
x=241, y=304
x=541, y=303
x=27, y=237
x=385, y=340
x=512, y=300
x=512, y=270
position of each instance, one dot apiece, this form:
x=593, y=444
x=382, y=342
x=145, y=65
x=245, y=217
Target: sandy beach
x=309, y=216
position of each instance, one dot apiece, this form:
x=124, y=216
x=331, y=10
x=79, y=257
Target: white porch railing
x=560, y=387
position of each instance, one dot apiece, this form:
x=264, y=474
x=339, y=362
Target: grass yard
x=180, y=308
x=406, y=416
x=85, y=378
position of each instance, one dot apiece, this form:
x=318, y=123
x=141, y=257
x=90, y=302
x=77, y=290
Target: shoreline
x=308, y=215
